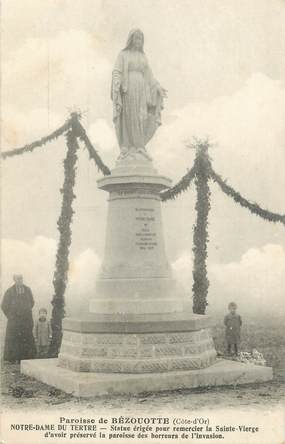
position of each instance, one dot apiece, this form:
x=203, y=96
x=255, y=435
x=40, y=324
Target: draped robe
x=137, y=102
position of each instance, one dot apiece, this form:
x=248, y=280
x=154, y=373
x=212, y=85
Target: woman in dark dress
x=17, y=306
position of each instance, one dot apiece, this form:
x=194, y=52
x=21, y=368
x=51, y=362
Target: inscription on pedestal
x=145, y=234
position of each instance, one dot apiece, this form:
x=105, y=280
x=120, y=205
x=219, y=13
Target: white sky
x=223, y=63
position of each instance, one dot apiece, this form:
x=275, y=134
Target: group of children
x=232, y=323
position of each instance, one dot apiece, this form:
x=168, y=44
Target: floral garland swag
x=201, y=173
x=73, y=131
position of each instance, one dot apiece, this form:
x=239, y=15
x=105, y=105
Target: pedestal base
x=137, y=343
x=86, y=385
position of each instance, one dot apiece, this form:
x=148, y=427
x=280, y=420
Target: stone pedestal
x=138, y=323
x=139, y=334
x=137, y=344
x=136, y=276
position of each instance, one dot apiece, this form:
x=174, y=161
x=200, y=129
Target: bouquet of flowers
x=255, y=357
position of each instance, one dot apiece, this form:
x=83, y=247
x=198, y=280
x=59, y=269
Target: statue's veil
x=130, y=38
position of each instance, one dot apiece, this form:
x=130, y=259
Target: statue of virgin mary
x=137, y=98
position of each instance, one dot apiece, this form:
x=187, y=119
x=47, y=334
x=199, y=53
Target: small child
x=42, y=334
x=233, y=324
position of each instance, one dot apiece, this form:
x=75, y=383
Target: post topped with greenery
x=201, y=172
x=202, y=167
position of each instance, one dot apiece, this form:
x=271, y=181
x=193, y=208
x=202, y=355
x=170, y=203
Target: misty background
x=223, y=65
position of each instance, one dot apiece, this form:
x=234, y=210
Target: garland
x=64, y=227
x=254, y=208
x=202, y=167
x=73, y=131
x=202, y=171
x=81, y=133
x=72, y=122
x=181, y=186
x=30, y=147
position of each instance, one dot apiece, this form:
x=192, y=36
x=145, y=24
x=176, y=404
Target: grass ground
x=266, y=335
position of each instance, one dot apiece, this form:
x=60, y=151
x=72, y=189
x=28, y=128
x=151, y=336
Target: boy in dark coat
x=17, y=306
x=233, y=324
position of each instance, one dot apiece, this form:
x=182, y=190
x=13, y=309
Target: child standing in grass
x=233, y=324
x=42, y=334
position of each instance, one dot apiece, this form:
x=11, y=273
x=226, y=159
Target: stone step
x=88, y=385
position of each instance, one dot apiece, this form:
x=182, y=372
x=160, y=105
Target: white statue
x=137, y=98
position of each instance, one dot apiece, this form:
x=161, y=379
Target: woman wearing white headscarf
x=137, y=97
